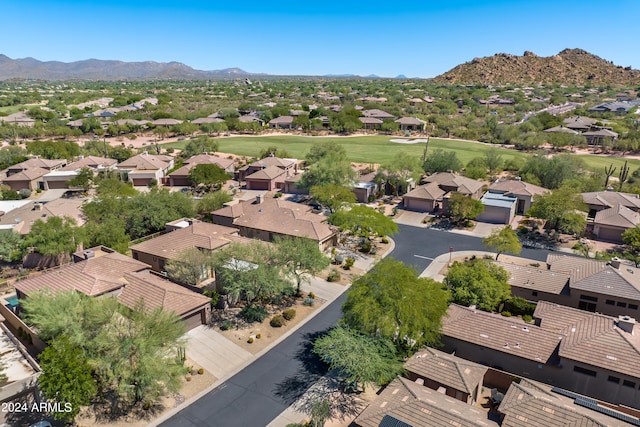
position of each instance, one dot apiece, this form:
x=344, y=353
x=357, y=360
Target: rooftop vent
x=615, y=262
x=627, y=324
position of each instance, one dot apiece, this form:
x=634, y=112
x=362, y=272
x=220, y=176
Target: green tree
x=322, y=149
x=299, y=258
x=377, y=305
x=11, y=246
x=111, y=232
x=66, y=377
x=113, y=187
x=463, y=208
x=208, y=174
x=561, y=208
x=273, y=150
x=400, y=170
x=332, y=196
x=190, y=267
x=330, y=169
x=503, y=240
x=363, y=221
x=493, y=159
x=442, y=161
x=359, y=358
x=212, y=202
x=249, y=273
x=55, y=237
x=478, y=282
x=201, y=144
x=84, y=179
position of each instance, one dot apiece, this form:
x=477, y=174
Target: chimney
x=518, y=178
x=615, y=262
x=627, y=324
x=259, y=199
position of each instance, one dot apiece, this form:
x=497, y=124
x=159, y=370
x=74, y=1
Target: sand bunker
x=409, y=141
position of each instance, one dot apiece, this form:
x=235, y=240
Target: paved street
x=264, y=389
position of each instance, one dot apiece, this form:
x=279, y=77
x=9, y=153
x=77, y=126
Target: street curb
x=258, y=355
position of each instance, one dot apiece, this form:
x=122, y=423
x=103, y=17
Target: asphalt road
x=260, y=392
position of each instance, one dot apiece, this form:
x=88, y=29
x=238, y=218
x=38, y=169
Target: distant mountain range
x=570, y=67
x=96, y=69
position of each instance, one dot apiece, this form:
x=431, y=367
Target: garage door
x=56, y=184
x=257, y=185
x=140, y=182
x=193, y=320
x=611, y=234
x=418, y=205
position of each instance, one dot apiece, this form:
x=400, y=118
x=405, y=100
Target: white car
x=41, y=424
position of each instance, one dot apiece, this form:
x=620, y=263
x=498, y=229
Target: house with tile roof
x=282, y=122
x=521, y=190
x=21, y=118
x=587, y=353
x=378, y=114
x=144, y=168
x=609, y=224
x=435, y=193
x=59, y=178
x=22, y=218
x=405, y=403
x=411, y=124
x=599, y=200
x=28, y=179
x=531, y=404
x=370, y=123
x=266, y=218
x=611, y=288
x=180, y=176
x=100, y=271
x=269, y=179
x=187, y=235
x=448, y=374
x=289, y=166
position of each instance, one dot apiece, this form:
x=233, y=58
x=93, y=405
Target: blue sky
x=415, y=38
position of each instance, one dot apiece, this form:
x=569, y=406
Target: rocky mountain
x=95, y=69
x=570, y=67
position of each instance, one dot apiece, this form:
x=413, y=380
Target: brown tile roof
x=282, y=120
x=462, y=184
x=611, y=198
x=577, y=268
x=370, y=121
x=166, y=122
x=27, y=175
x=537, y=279
x=200, y=235
x=503, y=334
x=591, y=338
x=617, y=216
x=621, y=283
x=274, y=161
x=25, y=216
x=36, y=162
x=420, y=406
x=446, y=369
x=517, y=188
x=268, y=173
x=430, y=191
x=201, y=120
x=94, y=276
x=92, y=162
x=145, y=161
x=530, y=403
x=205, y=158
x=377, y=114
x=410, y=121
x=279, y=216
x=156, y=292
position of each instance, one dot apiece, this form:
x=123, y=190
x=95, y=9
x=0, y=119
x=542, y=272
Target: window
x=633, y=306
x=613, y=379
x=588, y=298
x=534, y=293
x=584, y=371
x=621, y=304
x=610, y=302
x=628, y=383
x=587, y=306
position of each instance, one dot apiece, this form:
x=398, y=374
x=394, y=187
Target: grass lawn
x=11, y=109
x=363, y=149
x=379, y=149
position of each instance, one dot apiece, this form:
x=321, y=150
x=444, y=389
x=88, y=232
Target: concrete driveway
x=214, y=352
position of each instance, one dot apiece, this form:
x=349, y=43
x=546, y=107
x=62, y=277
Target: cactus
x=182, y=356
x=609, y=170
x=624, y=174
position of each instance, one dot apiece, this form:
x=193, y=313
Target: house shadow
x=314, y=388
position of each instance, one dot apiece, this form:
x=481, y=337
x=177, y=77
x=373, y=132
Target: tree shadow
x=314, y=384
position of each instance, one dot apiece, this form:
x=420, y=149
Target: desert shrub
x=289, y=314
x=506, y=314
x=308, y=301
x=527, y=318
x=24, y=193
x=277, y=195
x=258, y=336
x=226, y=325
x=519, y=306
x=277, y=321
x=201, y=371
x=312, y=295
x=348, y=263
x=384, y=240
x=333, y=276
x=253, y=313
x=365, y=247
x=250, y=341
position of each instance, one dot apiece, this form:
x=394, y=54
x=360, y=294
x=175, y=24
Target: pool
x=12, y=300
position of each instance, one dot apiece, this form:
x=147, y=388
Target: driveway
x=214, y=352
